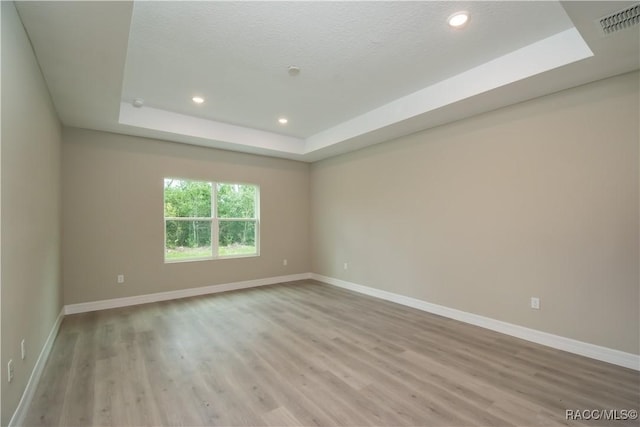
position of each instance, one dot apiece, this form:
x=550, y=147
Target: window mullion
x=214, y=219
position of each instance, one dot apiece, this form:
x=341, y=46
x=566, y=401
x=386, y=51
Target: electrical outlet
x=284, y=262
x=10, y=370
x=346, y=266
x=120, y=278
x=535, y=303
x=23, y=350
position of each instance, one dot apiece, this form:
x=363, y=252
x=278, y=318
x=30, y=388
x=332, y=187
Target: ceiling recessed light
x=283, y=120
x=458, y=19
x=198, y=99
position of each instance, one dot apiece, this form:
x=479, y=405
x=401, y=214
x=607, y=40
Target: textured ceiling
x=371, y=71
x=354, y=56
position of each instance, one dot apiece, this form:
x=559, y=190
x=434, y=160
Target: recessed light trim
x=283, y=120
x=458, y=19
x=198, y=99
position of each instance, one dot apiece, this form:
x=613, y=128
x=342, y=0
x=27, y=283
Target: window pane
x=236, y=201
x=187, y=239
x=237, y=238
x=184, y=198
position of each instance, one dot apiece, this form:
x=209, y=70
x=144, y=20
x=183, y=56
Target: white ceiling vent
x=620, y=20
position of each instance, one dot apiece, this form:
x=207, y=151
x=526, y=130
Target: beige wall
x=113, y=215
x=31, y=277
x=538, y=199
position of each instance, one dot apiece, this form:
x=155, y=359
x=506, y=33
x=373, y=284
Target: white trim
x=182, y=293
x=605, y=354
x=27, y=396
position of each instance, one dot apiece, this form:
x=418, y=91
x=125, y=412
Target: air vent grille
x=620, y=20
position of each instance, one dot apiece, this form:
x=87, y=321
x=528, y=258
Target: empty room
x=313, y=213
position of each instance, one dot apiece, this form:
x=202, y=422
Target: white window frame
x=215, y=222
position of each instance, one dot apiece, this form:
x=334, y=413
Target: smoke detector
x=293, y=70
x=620, y=20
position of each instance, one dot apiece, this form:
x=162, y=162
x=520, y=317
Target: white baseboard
x=27, y=396
x=609, y=355
x=182, y=293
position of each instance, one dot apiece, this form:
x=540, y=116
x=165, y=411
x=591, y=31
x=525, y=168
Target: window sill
x=216, y=258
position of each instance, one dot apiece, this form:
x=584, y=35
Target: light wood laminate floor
x=306, y=353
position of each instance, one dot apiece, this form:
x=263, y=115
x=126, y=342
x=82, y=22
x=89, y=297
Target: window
x=207, y=220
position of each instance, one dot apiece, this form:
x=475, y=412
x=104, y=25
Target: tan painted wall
x=538, y=199
x=113, y=215
x=31, y=270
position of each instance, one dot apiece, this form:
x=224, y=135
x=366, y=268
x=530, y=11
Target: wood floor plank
x=53, y=383
x=310, y=354
x=77, y=408
x=281, y=417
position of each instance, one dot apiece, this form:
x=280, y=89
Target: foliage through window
x=205, y=220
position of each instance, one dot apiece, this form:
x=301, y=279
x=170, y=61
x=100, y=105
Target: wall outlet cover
x=10, y=371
